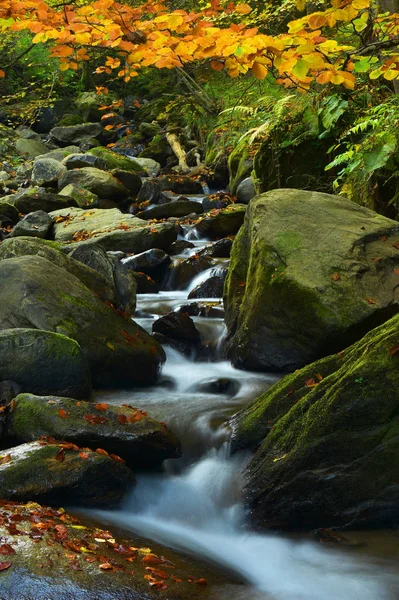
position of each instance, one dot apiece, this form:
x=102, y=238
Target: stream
x=195, y=504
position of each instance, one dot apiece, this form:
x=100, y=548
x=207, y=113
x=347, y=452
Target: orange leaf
x=201, y=581
x=2, y=74
x=336, y=277
x=102, y=451
x=106, y=566
x=260, y=71
x=371, y=301
x=394, y=351
x=5, y=565
x=102, y=406
x=152, y=559
x=122, y=419
x=5, y=459
x=60, y=456
x=63, y=413
x=117, y=458
x=84, y=455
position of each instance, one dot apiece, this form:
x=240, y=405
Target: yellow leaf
x=259, y=70
x=243, y=9
x=300, y=5
x=324, y=77
x=391, y=74
x=316, y=21
x=2, y=74
x=360, y=4
x=111, y=346
x=279, y=458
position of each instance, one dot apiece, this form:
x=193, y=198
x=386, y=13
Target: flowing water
x=195, y=505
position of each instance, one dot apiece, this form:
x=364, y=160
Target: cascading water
x=195, y=505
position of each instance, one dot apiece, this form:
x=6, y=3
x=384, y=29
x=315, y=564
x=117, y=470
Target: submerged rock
x=56, y=473
x=37, y=293
x=326, y=440
x=183, y=272
x=179, y=331
x=211, y=288
x=154, y=262
x=309, y=274
x=133, y=435
x=43, y=362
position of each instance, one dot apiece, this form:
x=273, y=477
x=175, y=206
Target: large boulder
x=131, y=434
x=37, y=293
x=79, y=160
x=99, y=182
x=309, y=274
x=47, y=171
x=65, y=136
x=35, y=198
x=83, y=198
x=111, y=229
x=56, y=473
x=43, y=362
x=327, y=440
x=154, y=262
x=114, y=160
x=30, y=148
x=177, y=329
x=219, y=223
x=179, y=208
x=35, y=224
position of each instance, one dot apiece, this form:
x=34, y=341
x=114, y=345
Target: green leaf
x=380, y=155
x=301, y=69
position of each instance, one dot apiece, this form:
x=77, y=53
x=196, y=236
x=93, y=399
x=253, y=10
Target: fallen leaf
x=336, y=277
x=394, y=350
x=5, y=565
x=377, y=259
x=63, y=413
x=106, y=566
x=158, y=573
x=60, y=456
x=371, y=301
x=6, y=549
x=102, y=406
x=60, y=532
x=102, y=451
x=122, y=419
x=84, y=455
x=152, y=559
x=117, y=458
x=201, y=581
x=5, y=459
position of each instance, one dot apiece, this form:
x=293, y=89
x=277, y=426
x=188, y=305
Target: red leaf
x=106, y=566
x=394, y=350
x=6, y=549
x=201, y=581
x=122, y=419
x=84, y=455
x=5, y=565
x=158, y=573
x=152, y=559
x=371, y=301
x=63, y=413
x=60, y=532
x=396, y=245
x=94, y=420
x=60, y=456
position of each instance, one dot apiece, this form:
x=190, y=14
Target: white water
x=195, y=505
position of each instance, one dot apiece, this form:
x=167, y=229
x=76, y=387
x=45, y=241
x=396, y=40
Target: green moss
x=115, y=160
x=240, y=165
x=80, y=302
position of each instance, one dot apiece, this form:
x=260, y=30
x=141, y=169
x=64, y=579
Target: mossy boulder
x=43, y=362
x=221, y=222
x=111, y=229
x=55, y=474
x=47, y=171
x=55, y=555
x=82, y=197
x=179, y=208
x=98, y=282
x=38, y=294
x=240, y=165
x=30, y=148
x=8, y=213
x=158, y=149
x=115, y=160
x=99, y=182
x=127, y=432
x=327, y=440
x=35, y=198
x=309, y=274
x=35, y=224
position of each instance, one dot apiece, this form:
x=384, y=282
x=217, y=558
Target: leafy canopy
x=329, y=46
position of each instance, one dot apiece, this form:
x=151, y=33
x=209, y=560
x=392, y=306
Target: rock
x=115, y=160
x=64, y=558
x=34, y=224
x=179, y=247
x=88, y=144
x=28, y=134
x=180, y=184
x=77, y=161
x=219, y=249
x=60, y=153
x=246, y=191
x=223, y=385
x=151, y=166
x=37, y=293
x=113, y=271
x=150, y=192
x=95, y=281
x=137, y=438
x=30, y=148
x=297, y=289
x=333, y=428
x=9, y=214
x=88, y=104
x=183, y=272
x=53, y=474
x=99, y=182
x=43, y=362
x=45, y=120
x=177, y=330
x=112, y=230
x=224, y=222
x=47, y=171
x=211, y=288
x=64, y=136
x=38, y=198
x=154, y=262
x=8, y=391
x=149, y=130
x=83, y=198
x=210, y=310
x=179, y=208
x=158, y=150
x=145, y=285
x=130, y=180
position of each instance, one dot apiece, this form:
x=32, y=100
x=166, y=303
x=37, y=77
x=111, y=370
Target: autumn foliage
x=152, y=35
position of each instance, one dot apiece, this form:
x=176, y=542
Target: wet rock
x=246, y=191
x=43, y=362
x=35, y=224
x=30, y=148
x=91, y=278
x=182, y=273
x=145, y=285
x=150, y=192
x=177, y=330
x=179, y=246
x=223, y=385
x=101, y=183
x=179, y=208
x=154, y=262
x=134, y=436
x=116, y=161
x=296, y=289
x=61, y=561
x=82, y=197
x=326, y=440
x=209, y=310
x=53, y=474
x=47, y=171
x=222, y=223
x=130, y=180
x=78, y=161
x=64, y=136
x=111, y=229
x=37, y=293
x=211, y=288
x=219, y=249
x=180, y=184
